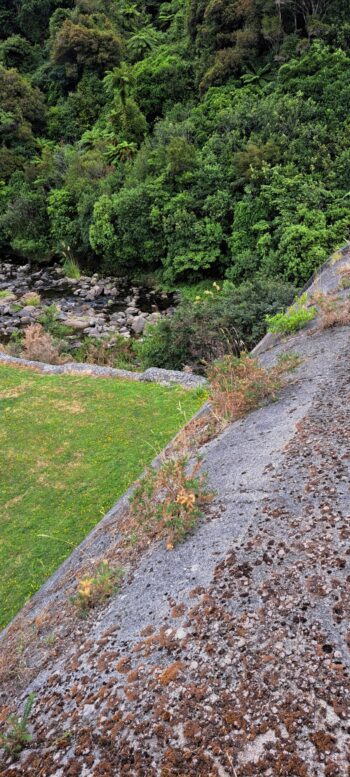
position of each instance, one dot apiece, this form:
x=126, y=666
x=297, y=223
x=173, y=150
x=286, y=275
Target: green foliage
x=24, y=219
x=49, y=319
x=194, y=139
x=85, y=44
x=111, y=234
x=22, y=114
x=162, y=78
x=17, y=52
x=295, y=318
x=116, y=352
x=142, y=41
x=216, y=322
x=76, y=113
x=17, y=735
x=127, y=120
x=70, y=267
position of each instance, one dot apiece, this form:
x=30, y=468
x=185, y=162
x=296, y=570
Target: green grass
x=71, y=269
x=295, y=318
x=69, y=447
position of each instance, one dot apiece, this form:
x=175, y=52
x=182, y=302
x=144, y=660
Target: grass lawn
x=69, y=447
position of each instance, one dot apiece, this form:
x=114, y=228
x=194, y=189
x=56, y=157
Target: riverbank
x=91, y=306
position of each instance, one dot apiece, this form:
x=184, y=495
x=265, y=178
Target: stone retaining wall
x=152, y=375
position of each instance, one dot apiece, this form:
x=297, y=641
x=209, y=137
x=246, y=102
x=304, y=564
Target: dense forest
x=188, y=139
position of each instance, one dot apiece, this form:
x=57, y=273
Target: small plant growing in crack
x=287, y=362
x=168, y=501
x=17, y=735
x=96, y=589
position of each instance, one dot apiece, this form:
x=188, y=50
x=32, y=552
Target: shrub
x=31, y=298
x=15, y=343
x=38, y=345
x=117, y=352
x=295, y=318
x=98, y=588
x=162, y=77
x=16, y=735
x=344, y=282
x=224, y=320
x=167, y=501
x=50, y=321
x=239, y=385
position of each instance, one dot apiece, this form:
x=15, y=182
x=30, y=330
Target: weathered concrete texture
x=164, y=377
x=230, y=655
x=324, y=281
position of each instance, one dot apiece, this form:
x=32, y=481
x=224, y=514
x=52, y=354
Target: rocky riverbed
x=93, y=306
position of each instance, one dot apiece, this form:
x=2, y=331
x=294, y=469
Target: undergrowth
x=239, y=385
x=16, y=735
x=115, y=352
x=296, y=317
x=333, y=311
x=49, y=319
x=38, y=345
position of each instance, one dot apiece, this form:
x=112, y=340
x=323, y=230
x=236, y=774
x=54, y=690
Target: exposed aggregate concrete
x=229, y=656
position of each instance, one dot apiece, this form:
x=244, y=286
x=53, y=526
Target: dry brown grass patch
x=69, y=407
x=333, y=311
x=38, y=345
x=240, y=385
x=344, y=273
x=167, y=502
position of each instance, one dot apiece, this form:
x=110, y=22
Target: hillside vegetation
x=185, y=139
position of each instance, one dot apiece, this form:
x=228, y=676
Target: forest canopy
x=187, y=139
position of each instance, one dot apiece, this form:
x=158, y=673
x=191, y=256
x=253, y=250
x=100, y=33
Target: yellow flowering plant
x=98, y=588
x=167, y=501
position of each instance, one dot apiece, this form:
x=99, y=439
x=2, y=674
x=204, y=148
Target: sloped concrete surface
x=229, y=656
